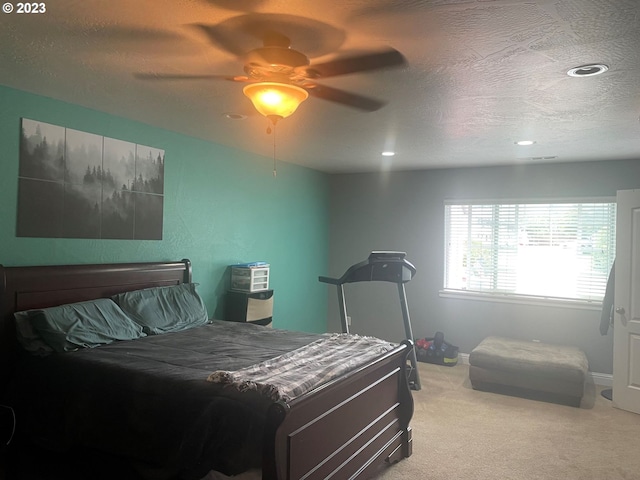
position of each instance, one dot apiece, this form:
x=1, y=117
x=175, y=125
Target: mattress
x=149, y=399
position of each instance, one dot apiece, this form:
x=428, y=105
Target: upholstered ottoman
x=541, y=371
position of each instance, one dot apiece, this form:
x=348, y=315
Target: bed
x=159, y=412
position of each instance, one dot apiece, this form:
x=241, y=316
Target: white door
x=626, y=327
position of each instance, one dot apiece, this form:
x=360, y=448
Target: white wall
x=404, y=211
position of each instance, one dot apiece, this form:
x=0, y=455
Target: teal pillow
x=164, y=309
x=83, y=325
x=27, y=336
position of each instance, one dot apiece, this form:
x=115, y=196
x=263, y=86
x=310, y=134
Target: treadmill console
x=384, y=255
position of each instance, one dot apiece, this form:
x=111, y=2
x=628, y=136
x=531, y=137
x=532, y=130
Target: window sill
x=522, y=299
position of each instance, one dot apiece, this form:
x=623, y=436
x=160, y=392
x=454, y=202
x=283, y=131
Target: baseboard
x=600, y=379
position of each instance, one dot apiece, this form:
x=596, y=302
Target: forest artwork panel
x=74, y=184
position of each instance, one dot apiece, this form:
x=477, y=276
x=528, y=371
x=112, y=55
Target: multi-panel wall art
x=73, y=184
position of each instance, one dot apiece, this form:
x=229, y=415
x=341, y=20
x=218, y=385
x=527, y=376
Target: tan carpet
x=463, y=434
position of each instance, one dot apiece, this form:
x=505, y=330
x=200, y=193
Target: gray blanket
x=295, y=373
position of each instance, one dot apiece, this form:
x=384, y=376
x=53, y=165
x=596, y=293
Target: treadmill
x=381, y=266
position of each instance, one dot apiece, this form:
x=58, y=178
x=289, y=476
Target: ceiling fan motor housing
x=276, y=58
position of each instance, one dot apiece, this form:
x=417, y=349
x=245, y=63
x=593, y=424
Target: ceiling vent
x=588, y=70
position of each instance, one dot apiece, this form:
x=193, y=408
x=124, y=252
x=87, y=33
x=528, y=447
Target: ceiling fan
x=279, y=77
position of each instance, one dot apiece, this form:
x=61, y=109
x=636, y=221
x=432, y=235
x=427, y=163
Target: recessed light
x=234, y=116
x=524, y=143
x=588, y=70
x=388, y=154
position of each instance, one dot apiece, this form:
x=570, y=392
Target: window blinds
x=560, y=250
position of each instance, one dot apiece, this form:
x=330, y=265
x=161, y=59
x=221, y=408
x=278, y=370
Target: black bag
x=436, y=350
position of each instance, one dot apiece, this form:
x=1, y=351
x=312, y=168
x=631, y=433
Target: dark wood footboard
x=348, y=428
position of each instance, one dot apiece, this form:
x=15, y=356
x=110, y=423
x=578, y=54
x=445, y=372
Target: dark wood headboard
x=26, y=288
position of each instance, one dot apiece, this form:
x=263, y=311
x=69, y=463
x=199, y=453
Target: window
x=549, y=250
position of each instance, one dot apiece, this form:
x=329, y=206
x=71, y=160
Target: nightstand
x=251, y=307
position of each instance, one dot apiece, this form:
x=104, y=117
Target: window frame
x=508, y=297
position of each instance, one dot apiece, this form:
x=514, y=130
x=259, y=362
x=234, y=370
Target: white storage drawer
x=250, y=279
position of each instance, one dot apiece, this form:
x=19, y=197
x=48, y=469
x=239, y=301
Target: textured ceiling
x=481, y=75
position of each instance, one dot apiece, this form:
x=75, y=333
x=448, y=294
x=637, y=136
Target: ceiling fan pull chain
x=271, y=130
x=275, y=173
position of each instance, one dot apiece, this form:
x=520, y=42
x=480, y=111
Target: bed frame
x=347, y=428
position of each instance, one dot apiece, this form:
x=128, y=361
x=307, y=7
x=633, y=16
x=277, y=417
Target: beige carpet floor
x=463, y=434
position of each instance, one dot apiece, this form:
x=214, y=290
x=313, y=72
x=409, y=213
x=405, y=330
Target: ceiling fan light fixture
x=275, y=100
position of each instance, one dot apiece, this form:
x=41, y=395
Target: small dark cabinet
x=254, y=307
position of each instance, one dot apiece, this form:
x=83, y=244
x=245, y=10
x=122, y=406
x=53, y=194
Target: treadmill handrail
x=347, y=277
x=332, y=281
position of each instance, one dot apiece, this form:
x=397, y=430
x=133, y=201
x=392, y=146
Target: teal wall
x=221, y=206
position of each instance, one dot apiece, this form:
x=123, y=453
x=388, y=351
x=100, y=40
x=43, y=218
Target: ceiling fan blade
x=178, y=76
x=243, y=33
x=220, y=38
x=239, y=5
x=136, y=40
x=361, y=63
x=346, y=98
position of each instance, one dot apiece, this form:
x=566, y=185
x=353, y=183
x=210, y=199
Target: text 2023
x=31, y=7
